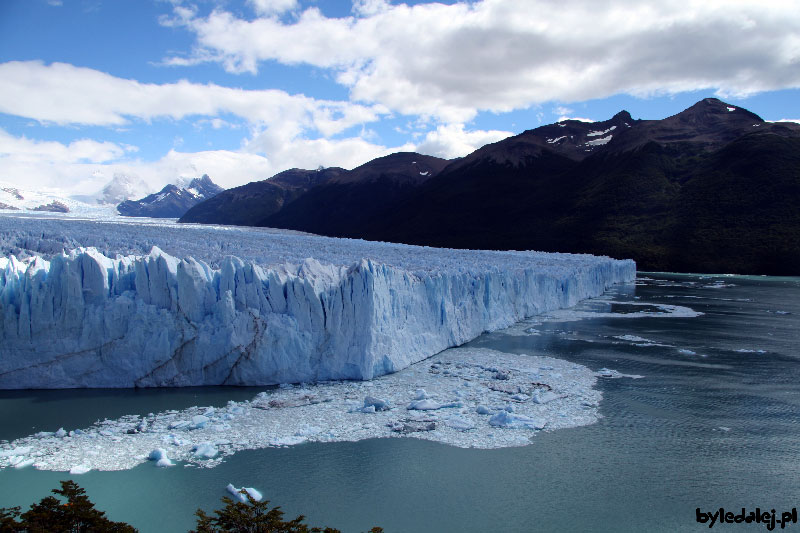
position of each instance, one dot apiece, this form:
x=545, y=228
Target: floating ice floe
x=253, y=493
x=635, y=340
x=159, y=455
x=614, y=374
x=601, y=308
x=468, y=407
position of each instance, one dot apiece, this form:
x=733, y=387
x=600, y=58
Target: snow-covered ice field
x=110, y=304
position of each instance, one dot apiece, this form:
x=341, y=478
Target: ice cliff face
x=84, y=319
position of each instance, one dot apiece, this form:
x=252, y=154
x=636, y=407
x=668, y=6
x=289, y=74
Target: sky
x=162, y=90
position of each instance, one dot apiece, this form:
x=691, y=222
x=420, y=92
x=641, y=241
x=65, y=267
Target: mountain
x=714, y=188
x=249, y=205
x=311, y=201
x=351, y=201
x=46, y=200
x=53, y=207
x=171, y=201
x=711, y=189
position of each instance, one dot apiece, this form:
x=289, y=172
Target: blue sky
x=168, y=89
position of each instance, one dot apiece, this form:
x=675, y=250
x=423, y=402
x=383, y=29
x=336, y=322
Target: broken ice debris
x=205, y=450
x=376, y=404
x=508, y=420
x=424, y=405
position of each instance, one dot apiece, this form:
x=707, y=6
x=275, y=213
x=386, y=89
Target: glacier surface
x=108, y=304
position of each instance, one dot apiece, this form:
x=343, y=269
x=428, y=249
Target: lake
x=714, y=423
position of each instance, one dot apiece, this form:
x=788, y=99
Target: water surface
x=713, y=423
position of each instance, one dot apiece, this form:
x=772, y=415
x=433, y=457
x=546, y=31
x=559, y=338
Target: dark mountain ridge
x=352, y=201
x=711, y=189
x=251, y=204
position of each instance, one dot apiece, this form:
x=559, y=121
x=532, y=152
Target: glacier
x=91, y=303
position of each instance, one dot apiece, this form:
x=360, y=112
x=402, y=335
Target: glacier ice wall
x=82, y=318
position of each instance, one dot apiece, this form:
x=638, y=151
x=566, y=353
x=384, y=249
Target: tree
x=50, y=515
x=254, y=517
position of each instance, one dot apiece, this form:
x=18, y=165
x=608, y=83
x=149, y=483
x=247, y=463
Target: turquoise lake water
x=714, y=423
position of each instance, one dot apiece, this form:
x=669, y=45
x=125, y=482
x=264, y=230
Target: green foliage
x=255, y=517
x=78, y=515
x=8, y=519
x=50, y=515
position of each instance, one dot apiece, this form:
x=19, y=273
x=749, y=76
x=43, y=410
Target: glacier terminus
x=88, y=303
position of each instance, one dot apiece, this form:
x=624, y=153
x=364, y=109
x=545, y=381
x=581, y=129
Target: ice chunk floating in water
x=189, y=314
x=473, y=409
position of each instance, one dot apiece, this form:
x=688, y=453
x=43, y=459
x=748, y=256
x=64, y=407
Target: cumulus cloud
x=452, y=140
x=32, y=163
x=272, y=7
x=84, y=166
x=450, y=61
x=311, y=153
x=80, y=151
x=61, y=93
x=562, y=118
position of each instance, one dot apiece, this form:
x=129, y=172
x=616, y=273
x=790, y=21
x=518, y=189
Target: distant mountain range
x=712, y=189
x=172, y=201
x=14, y=198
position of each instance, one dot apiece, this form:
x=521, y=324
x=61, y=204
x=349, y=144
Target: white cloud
x=84, y=166
x=65, y=94
x=368, y=8
x=450, y=61
x=562, y=118
x=272, y=7
x=451, y=140
x=80, y=151
x=31, y=163
x=311, y=153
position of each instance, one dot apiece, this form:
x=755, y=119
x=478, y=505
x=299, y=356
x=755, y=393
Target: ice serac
x=82, y=319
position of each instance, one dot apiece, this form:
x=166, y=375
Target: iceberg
x=253, y=493
x=96, y=304
x=205, y=450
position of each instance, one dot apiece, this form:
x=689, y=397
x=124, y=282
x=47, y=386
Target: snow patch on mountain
x=597, y=133
x=599, y=142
